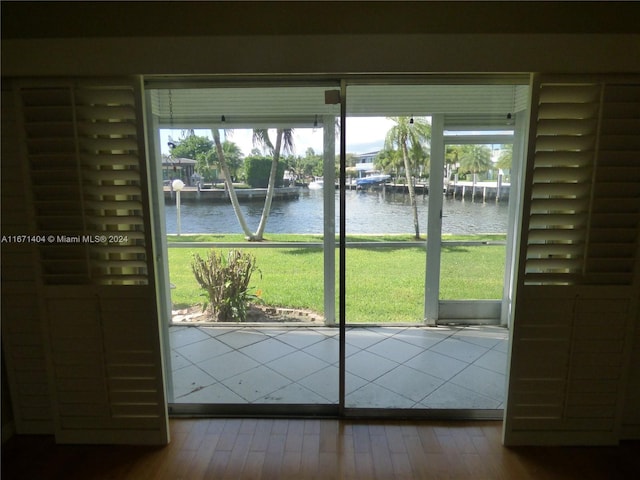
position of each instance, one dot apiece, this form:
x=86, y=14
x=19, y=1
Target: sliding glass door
x=412, y=242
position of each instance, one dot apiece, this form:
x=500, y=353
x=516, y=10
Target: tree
x=475, y=159
x=284, y=141
x=389, y=161
x=505, y=158
x=410, y=136
x=261, y=137
x=232, y=155
x=194, y=147
x=229, y=183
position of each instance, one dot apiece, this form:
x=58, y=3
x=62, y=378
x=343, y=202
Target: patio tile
x=181, y=336
x=409, y=382
x=493, y=360
x=435, y=364
x=178, y=361
x=363, y=337
x=324, y=383
x=464, y=351
x=272, y=331
x=375, y=396
x=228, y=365
x=301, y=338
x=241, y=337
x=450, y=395
x=423, y=338
x=293, y=393
x=395, y=350
x=203, y=350
x=328, y=331
x=217, y=331
x=502, y=346
x=387, y=367
x=297, y=365
x=188, y=380
x=327, y=350
x=256, y=383
x=216, y=393
x=368, y=365
x=267, y=350
x=485, y=337
x=483, y=381
x=353, y=382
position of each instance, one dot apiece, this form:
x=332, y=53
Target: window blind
x=83, y=148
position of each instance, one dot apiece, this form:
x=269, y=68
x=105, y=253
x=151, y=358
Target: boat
x=316, y=184
x=372, y=180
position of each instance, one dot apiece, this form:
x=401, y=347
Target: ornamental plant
x=225, y=281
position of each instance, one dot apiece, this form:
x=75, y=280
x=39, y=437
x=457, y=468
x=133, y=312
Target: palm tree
x=228, y=181
x=475, y=159
x=389, y=161
x=506, y=156
x=260, y=137
x=410, y=136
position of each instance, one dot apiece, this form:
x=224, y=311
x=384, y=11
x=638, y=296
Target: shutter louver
x=615, y=222
x=83, y=148
x=23, y=345
x=585, y=199
x=49, y=123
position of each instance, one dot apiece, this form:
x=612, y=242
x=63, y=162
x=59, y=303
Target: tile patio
x=387, y=367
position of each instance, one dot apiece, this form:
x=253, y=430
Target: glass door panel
x=248, y=160
x=386, y=225
x=475, y=217
x=394, y=360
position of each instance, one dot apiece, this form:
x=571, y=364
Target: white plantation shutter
x=84, y=150
x=579, y=283
x=585, y=185
x=83, y=145
x=23, y=345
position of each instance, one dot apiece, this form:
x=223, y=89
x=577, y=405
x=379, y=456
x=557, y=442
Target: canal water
x=367, y=213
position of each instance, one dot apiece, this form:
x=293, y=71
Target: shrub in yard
x=225, y=280
x=257, y=170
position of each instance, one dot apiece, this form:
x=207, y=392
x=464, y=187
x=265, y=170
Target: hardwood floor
x=323, y=449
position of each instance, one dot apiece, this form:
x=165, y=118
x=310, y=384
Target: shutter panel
x=615, y=220
x=86, y=159
x=564, y=157
x=83, y=148
x=585, y=192
x=23, y=346
x=577, y=297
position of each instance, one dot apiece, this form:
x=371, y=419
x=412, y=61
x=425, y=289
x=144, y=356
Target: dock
x=497, y=191
x=221, y=195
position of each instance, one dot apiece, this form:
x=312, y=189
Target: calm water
x=371, y=212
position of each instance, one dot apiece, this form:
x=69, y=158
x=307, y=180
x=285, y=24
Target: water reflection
x=370, y=212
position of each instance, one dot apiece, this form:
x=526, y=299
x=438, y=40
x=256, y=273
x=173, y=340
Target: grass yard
x=383, y=284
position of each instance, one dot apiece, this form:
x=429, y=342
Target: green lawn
x=383, y=284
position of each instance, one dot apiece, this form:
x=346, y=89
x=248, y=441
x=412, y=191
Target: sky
x=364, y=134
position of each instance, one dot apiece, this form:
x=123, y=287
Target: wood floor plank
x=310, y=454
x=281, y=449
x=272, y=465
x=328, y=436
x=197, y=470
x=382, y=461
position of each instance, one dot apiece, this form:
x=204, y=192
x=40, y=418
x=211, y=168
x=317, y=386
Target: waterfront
x=366, y=213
